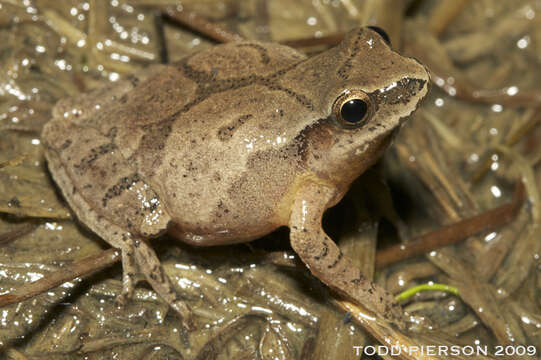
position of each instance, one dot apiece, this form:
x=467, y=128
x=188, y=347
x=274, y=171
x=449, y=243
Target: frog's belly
x=220, y=191
x=226, y=205
x=227, y=212
x=220, y=237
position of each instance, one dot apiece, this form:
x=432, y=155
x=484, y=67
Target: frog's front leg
x=326, y=261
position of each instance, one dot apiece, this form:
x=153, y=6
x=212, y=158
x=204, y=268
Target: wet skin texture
x=228, y=145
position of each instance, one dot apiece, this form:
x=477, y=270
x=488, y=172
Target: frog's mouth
x=402, y=120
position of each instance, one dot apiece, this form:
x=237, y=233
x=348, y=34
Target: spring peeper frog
x=229, y=144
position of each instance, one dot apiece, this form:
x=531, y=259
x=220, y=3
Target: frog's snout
x=425, y=72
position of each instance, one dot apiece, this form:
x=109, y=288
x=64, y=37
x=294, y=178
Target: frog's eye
x=381, y=33
x=352, y=109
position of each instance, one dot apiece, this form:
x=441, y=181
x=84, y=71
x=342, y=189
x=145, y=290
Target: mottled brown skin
x=228, y=145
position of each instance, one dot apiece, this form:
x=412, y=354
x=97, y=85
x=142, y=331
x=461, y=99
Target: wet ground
x=465, y=152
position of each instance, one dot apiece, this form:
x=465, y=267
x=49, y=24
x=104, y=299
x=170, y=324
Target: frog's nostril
x=425, y=69
x=417, y=61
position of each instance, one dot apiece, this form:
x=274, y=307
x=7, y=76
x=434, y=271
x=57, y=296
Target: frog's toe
x=186, y=314
x=121, y=301
x=128, y=287
x=396, y=316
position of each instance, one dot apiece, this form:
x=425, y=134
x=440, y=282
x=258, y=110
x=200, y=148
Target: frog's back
x=218, y=149
x=196, y=130
x=160, y=93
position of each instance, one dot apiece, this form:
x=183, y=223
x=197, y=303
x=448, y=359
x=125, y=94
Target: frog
x=228, y=145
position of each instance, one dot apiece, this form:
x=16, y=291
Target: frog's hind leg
x=151, y=267
x=129, y=269
x=109, y=196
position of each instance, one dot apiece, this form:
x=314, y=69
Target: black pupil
x=381, y=33
x=354, y=111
